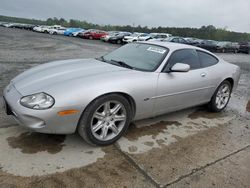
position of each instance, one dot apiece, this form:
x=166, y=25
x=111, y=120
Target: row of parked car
x=121, y=37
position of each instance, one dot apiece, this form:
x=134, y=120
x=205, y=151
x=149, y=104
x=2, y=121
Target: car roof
x=170, y=45
x=176, y=46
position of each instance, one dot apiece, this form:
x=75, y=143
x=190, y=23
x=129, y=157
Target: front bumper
x=43, y=121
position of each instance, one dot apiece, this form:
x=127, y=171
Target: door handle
x=203, y=74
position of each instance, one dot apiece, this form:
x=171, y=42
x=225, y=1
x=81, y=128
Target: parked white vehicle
x=41, y=29
x=136, y=37
x=59, y=31
x=53, y=28
x=8, y=24
x=159, y=36
x=46, y=29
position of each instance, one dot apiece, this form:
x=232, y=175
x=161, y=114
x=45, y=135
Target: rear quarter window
x=206, y=59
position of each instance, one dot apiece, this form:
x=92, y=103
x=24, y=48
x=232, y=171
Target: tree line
x=204, y=32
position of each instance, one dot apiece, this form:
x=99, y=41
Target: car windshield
x=122, y=34
x=138, y=56
x=222, y=43
x=144, y=35
x=210, y=42
x=135, y=35
x=168, y=39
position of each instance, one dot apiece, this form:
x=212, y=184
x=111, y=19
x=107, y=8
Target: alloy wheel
x=222, y=96
x=108, y=120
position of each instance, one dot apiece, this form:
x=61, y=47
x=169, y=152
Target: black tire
x=212, y=104
x=119, y=41
x=84, y=125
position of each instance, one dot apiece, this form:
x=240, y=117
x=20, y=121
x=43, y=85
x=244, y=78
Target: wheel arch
x=129, y=98
x=231, y=80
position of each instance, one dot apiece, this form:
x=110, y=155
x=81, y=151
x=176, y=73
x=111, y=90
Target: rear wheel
x=105, y=120
x=91, y=38
x=221, y=97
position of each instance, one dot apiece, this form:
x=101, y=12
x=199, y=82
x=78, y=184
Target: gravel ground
x=189, y=148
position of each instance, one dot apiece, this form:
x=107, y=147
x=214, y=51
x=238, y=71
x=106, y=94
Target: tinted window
x=207, y=59
x=187, y=56
x=175, y=40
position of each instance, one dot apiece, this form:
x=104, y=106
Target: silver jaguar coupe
x=100, y=97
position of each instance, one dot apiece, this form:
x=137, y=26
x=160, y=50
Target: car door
x=177, y=90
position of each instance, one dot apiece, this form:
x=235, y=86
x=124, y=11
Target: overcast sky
x=233, y=14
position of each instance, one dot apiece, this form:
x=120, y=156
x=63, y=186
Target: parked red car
x=93, y=34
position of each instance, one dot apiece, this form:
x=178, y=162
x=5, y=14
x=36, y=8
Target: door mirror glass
x=180, y=67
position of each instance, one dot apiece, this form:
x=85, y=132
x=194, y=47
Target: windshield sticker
x=157, y=50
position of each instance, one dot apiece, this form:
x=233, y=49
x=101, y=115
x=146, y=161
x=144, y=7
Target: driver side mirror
x=180, y=67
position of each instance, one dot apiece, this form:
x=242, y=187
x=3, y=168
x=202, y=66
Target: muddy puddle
x=31, y=143
x=248, y=107
x=111, y=171
x=203, y=113
x=134, y=133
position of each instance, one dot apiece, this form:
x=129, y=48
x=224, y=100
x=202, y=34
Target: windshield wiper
x=120, y=63
x=123, y=64
x=101, y=59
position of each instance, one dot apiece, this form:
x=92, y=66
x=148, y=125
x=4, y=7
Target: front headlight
x=39, y=101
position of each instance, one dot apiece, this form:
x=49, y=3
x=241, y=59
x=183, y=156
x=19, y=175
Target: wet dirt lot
x=189, y=148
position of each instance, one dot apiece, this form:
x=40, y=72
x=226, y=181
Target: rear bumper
x=43, y=121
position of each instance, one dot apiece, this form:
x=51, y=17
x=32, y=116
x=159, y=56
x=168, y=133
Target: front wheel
x=105, y=120
x=119, y=41
x=221, y=97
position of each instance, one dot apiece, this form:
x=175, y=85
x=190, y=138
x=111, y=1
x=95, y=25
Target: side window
x=207, y=59
x=175, y=40
x=182, y=40
x=187, y=56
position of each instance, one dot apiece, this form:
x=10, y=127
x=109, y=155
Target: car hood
x=39, y=78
